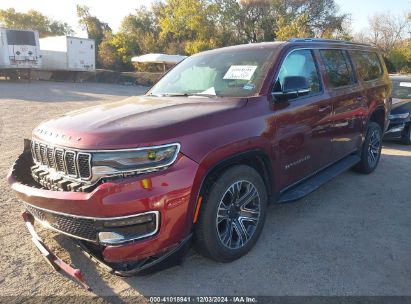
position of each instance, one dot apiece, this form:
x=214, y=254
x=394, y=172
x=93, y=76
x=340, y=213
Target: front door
x=302, y=135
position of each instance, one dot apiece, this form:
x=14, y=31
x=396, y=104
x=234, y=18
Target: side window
x=339, y=68
x=369, y=65
x=299, y=63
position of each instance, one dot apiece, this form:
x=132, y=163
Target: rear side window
x=299, y=63
x=339, y=68
x=20, y=38
x=369, y=65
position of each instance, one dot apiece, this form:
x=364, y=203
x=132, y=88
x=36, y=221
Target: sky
x=113, y=12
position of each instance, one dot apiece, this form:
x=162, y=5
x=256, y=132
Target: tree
x=257, y=20
x=34, y=20
x=226, y=17
x=95, y=28
x=186, y=21
x=297, y=28
x=143, y=31
x=315, y=18
x=386, y=31
x=113, y=53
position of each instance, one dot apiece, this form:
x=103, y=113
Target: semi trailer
x=19, y=52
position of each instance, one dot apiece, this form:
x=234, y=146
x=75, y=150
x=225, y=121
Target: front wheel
x=371, y=149
x=232, y=215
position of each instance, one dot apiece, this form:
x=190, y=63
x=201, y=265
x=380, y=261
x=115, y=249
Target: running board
x=314, y=182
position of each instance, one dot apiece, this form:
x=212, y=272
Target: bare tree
x=385, y=31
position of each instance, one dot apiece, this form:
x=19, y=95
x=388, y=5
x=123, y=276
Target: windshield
x=239, y=73
x=401, y=89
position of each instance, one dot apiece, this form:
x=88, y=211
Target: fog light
x=109, y=238
x=122, y=230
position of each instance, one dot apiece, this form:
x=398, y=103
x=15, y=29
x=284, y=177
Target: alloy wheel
x=374, y=148
x=238, y=214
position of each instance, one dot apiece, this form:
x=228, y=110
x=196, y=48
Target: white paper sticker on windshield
x=243, y=72
x=405, y=84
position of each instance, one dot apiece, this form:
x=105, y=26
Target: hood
x=400, y=106
x=134, y=122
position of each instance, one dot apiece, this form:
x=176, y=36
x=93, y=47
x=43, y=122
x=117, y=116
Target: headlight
x=133, y=161
x=399, y=116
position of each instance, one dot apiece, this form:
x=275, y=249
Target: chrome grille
x=69, y=162
x=83, y=161
x=50, y=157
x=43, y=155
x=59, y=160
x=70, y=158
x=37, y=152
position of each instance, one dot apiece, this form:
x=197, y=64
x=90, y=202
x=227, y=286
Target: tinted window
x=20, y=38
x=369, y=65
x=338, y=67
x=299, y=63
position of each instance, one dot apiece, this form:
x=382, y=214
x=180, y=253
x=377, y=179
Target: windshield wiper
x=188, y=94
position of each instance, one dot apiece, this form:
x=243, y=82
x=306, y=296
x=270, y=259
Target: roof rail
x=326, y=40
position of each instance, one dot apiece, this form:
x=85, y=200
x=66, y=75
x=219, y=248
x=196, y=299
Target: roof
x=298, y=41
x=333, y=41
x=159, y=58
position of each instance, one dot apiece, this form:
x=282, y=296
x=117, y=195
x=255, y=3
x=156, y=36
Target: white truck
x=66, y=53
x=19, y=51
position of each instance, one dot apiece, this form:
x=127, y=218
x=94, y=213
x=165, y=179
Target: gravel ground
x=351, y=237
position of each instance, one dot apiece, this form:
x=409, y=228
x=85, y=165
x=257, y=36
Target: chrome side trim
x=88, y=217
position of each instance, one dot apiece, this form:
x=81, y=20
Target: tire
x=226, y=231
x=371, y=149
x=406, y=136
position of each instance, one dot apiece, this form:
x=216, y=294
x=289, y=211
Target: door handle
x=323, y=108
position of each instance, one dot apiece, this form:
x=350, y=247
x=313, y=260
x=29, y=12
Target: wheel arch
x=257, y=159
x=378, y=116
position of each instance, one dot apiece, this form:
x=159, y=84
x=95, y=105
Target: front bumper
x=55, y=262
x=395, y=129
x=171, y=193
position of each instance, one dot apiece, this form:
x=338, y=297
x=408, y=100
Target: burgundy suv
x=203, y=153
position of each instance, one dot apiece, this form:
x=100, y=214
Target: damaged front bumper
x=55, y=262
x=100, y=220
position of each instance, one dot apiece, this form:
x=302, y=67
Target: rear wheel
x=406, y=136
x=232, y=215
x=371, y=149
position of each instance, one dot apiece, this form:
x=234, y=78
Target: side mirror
x=294, y=86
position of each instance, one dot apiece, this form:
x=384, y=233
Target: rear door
x=348, y=99
x=22, y=46
x=302, y=123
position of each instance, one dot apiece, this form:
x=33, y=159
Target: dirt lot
x=351, y=237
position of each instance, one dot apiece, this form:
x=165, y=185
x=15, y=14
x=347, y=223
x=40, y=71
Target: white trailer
x=66, y=53
x=19, y=50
